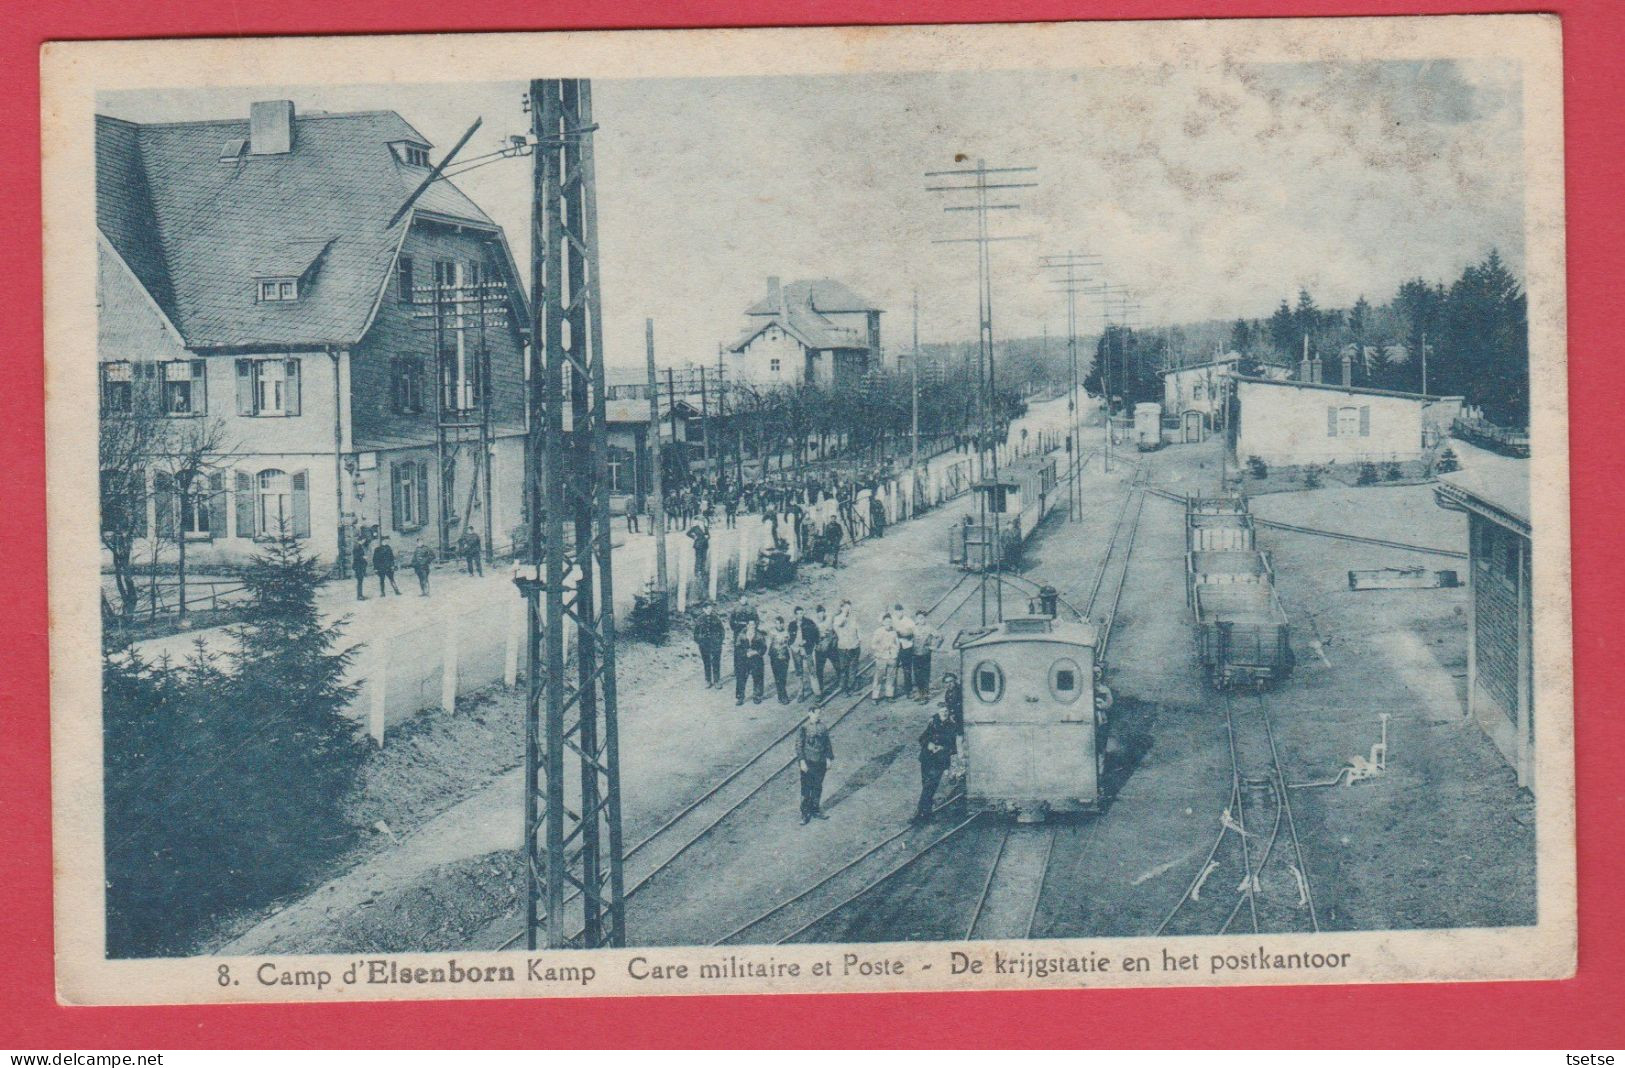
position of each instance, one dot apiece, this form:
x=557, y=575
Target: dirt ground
x=1444, y=839
x=449, y=791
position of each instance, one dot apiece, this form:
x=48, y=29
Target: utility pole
x=978, y=184
x=705, y=424
x=1072, y=285
x=914, y=384
x=655, y=490
x=575, y=845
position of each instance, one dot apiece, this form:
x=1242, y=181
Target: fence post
x=378, y=683
x=448, y=657
x=510, y=653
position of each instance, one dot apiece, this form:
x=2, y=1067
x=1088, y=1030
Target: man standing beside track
x=750, y=649
x=884, y=648
x=708, y=634
x=815, y=754
x=848, y=642
x=937, y=744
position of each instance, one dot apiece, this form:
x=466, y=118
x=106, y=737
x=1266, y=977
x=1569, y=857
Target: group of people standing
x=371, y=547
x=811, y=653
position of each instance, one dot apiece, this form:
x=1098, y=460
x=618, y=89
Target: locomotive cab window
x=988, y=681
x=1065, y=680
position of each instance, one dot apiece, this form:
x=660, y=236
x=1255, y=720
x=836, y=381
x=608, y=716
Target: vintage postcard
x=850, y=509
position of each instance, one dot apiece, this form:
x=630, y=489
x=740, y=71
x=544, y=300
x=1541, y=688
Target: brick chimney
x=1304, y=370
x=1315, y=370
x=270, y=127
x=1348, y=369
x=775, y=295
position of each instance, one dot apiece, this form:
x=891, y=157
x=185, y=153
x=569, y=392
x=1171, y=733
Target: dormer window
x=413, y=155
x=279, y=289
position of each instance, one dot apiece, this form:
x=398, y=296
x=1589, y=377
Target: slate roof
x=819, y=294
x=802, y=318
x=198, y=231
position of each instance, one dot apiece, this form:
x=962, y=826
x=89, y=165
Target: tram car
x=1013, y=504
x=1035, y=717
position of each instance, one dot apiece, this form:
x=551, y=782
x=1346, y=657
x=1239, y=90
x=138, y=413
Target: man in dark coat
x=814, y=755
x=383, y=562
x=358, y=564
x=422, y=560
x=832, y=543
x=937, y=744
x=750, y=653
x=708, y=635
x=953, y=701
x=468, y=547
x=702, y=553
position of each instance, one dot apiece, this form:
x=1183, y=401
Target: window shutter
x=200, y=390
x=217, y=504
x=397, y=391
x=136, y=501
x=245, y=505
x=421, y=478
x=245, y=387
x=397, y=493
x=163, y=498
x=1331, y=421
x=301, y=504
x=1365, y=420
x=290, y=403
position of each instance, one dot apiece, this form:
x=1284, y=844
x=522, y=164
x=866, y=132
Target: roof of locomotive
x=1036, y=629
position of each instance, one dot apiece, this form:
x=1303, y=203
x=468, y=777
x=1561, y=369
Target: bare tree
x=148, y=456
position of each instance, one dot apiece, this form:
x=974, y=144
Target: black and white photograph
x=787, y=510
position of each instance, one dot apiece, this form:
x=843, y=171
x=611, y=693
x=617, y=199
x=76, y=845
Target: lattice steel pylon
x=573, y=853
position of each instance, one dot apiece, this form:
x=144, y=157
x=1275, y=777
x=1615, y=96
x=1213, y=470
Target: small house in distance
x=1303, y=421
x=816, y=332
x=1494, y=494
x=1198, y=394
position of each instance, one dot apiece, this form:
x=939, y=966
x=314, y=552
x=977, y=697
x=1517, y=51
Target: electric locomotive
x=1035, y=717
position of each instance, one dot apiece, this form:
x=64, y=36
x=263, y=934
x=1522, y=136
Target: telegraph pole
x=1072, y=285
x=655, y=489
x=569, y=845
x=914, y=385
x=977, y=184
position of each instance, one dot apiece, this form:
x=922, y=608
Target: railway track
x=1272, y=893
x=695, y=821
x=1009, y=897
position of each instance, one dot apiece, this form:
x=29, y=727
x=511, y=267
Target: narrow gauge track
x=1273, y=892
x=1008, y=898
x=716, y=804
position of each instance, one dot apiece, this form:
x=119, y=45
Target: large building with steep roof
x=366, y=364
x=816, y=332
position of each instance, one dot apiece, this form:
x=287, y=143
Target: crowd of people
x=811, y=653
x=784, y=501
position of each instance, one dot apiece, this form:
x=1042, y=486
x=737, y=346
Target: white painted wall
x=1289, y=425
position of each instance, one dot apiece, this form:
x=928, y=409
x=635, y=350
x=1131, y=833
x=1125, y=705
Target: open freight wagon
x=1242, y=637
x=1218, y=532
x=1225, y=568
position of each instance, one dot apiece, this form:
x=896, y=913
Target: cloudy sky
x=1210, y=193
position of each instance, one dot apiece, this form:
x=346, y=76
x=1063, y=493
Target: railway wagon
x=1224, y=568
x=1223, y=504
x=1218, y=532
x=1242, y=637
x=1035, y=717
x=1014, y=504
